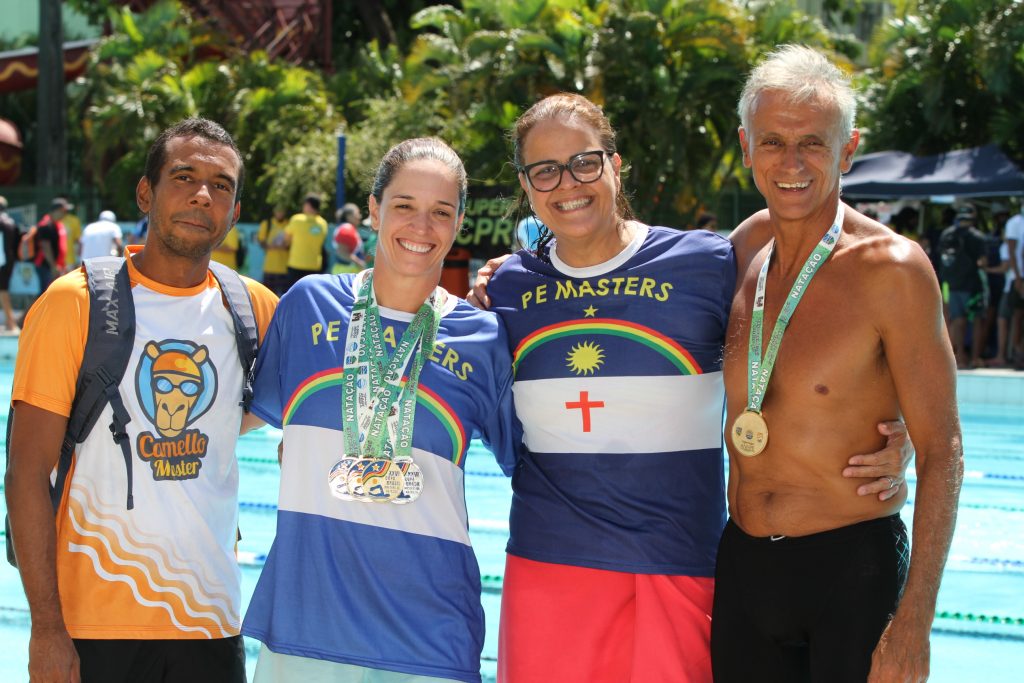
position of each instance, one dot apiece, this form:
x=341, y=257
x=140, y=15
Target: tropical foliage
x=950, y=75
x=938, y=75
x=159, y=67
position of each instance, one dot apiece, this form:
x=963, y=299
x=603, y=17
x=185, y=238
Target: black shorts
x=221, y=660
x=808, y=608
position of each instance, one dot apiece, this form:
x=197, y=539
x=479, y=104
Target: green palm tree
x=947, y=77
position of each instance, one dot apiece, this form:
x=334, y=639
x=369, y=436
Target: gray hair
x=348, y=213
x=413, y=150
x=806, y=76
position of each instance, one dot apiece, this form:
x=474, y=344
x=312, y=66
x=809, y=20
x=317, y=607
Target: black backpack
x=108, y=350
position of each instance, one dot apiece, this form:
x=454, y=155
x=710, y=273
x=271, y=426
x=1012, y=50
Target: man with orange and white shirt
x=147, y=590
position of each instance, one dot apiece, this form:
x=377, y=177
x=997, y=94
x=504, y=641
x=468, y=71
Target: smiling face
x=573, y=211
x=193, y=204
x=417, y=218
x=796, y=155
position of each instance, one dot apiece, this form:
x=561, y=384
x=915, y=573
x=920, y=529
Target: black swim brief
x=806, y=608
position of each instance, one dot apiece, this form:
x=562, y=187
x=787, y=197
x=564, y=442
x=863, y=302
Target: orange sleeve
x=51, y=345
x=263, y=304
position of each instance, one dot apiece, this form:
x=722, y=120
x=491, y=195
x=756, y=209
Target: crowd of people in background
x=976, y=252
x=292, y=245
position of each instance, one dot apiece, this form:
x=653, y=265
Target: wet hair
x=414, y=150
x=190, y=128
x=805, y=75
x=567, y=107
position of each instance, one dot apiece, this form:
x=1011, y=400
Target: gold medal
x=382, y=481
x=750, y=433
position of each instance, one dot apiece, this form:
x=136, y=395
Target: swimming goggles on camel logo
x=176, y=383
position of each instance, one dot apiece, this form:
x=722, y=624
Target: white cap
x=108, y=216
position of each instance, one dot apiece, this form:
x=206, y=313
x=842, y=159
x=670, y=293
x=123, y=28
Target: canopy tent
x=978, y=172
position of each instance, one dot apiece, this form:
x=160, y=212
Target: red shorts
x=575, y=624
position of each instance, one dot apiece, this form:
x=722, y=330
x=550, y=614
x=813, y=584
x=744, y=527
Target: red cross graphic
x=584, y=404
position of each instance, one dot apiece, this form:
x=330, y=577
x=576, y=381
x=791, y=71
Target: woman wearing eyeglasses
x=616, y=329
x=617, y=332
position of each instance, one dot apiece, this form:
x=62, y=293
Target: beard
x=180, y=245
x=189, y=249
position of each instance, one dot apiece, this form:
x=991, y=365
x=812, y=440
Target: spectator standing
x=73, y=230
x=369, y=237
x=1014, y=293
x=995, y=277
x=962, y=253
x=304, y=236
x=905, y=223
x=47, y=243
x=229, y=252
x=275, y=260
x=348, y=245
x=101, y=238
x=11, y=236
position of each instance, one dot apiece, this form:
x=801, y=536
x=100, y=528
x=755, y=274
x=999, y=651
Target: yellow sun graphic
x=585, y=358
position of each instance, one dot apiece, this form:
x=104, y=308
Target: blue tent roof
x=978, y=172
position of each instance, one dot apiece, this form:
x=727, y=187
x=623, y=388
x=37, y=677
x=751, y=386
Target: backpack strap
x=108, y=350
x=246, y=334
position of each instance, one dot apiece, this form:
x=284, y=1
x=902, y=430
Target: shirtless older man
x=812, y=582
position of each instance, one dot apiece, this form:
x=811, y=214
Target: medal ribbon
x=759, y=372
x=377, y=410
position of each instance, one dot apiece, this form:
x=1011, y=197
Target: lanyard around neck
x=760, y=371
x=378, y=408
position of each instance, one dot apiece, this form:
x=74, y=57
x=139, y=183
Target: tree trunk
x=376, y=19
x=52, y=160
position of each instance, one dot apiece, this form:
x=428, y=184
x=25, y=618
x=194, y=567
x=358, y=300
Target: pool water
x=978, y=633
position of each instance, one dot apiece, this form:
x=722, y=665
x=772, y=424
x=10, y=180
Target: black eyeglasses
x=545, y=176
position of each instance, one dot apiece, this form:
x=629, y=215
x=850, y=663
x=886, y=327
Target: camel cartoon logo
x=176, y=384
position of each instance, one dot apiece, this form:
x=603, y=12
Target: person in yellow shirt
x=227, y=251
x=275, y=261
x=304, y=236
x=73, y=227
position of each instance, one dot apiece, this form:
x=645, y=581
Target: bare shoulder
x=750, y=236
x=893, y=270
x=879, y=251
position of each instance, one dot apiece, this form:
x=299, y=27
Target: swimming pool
x=978, y=634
